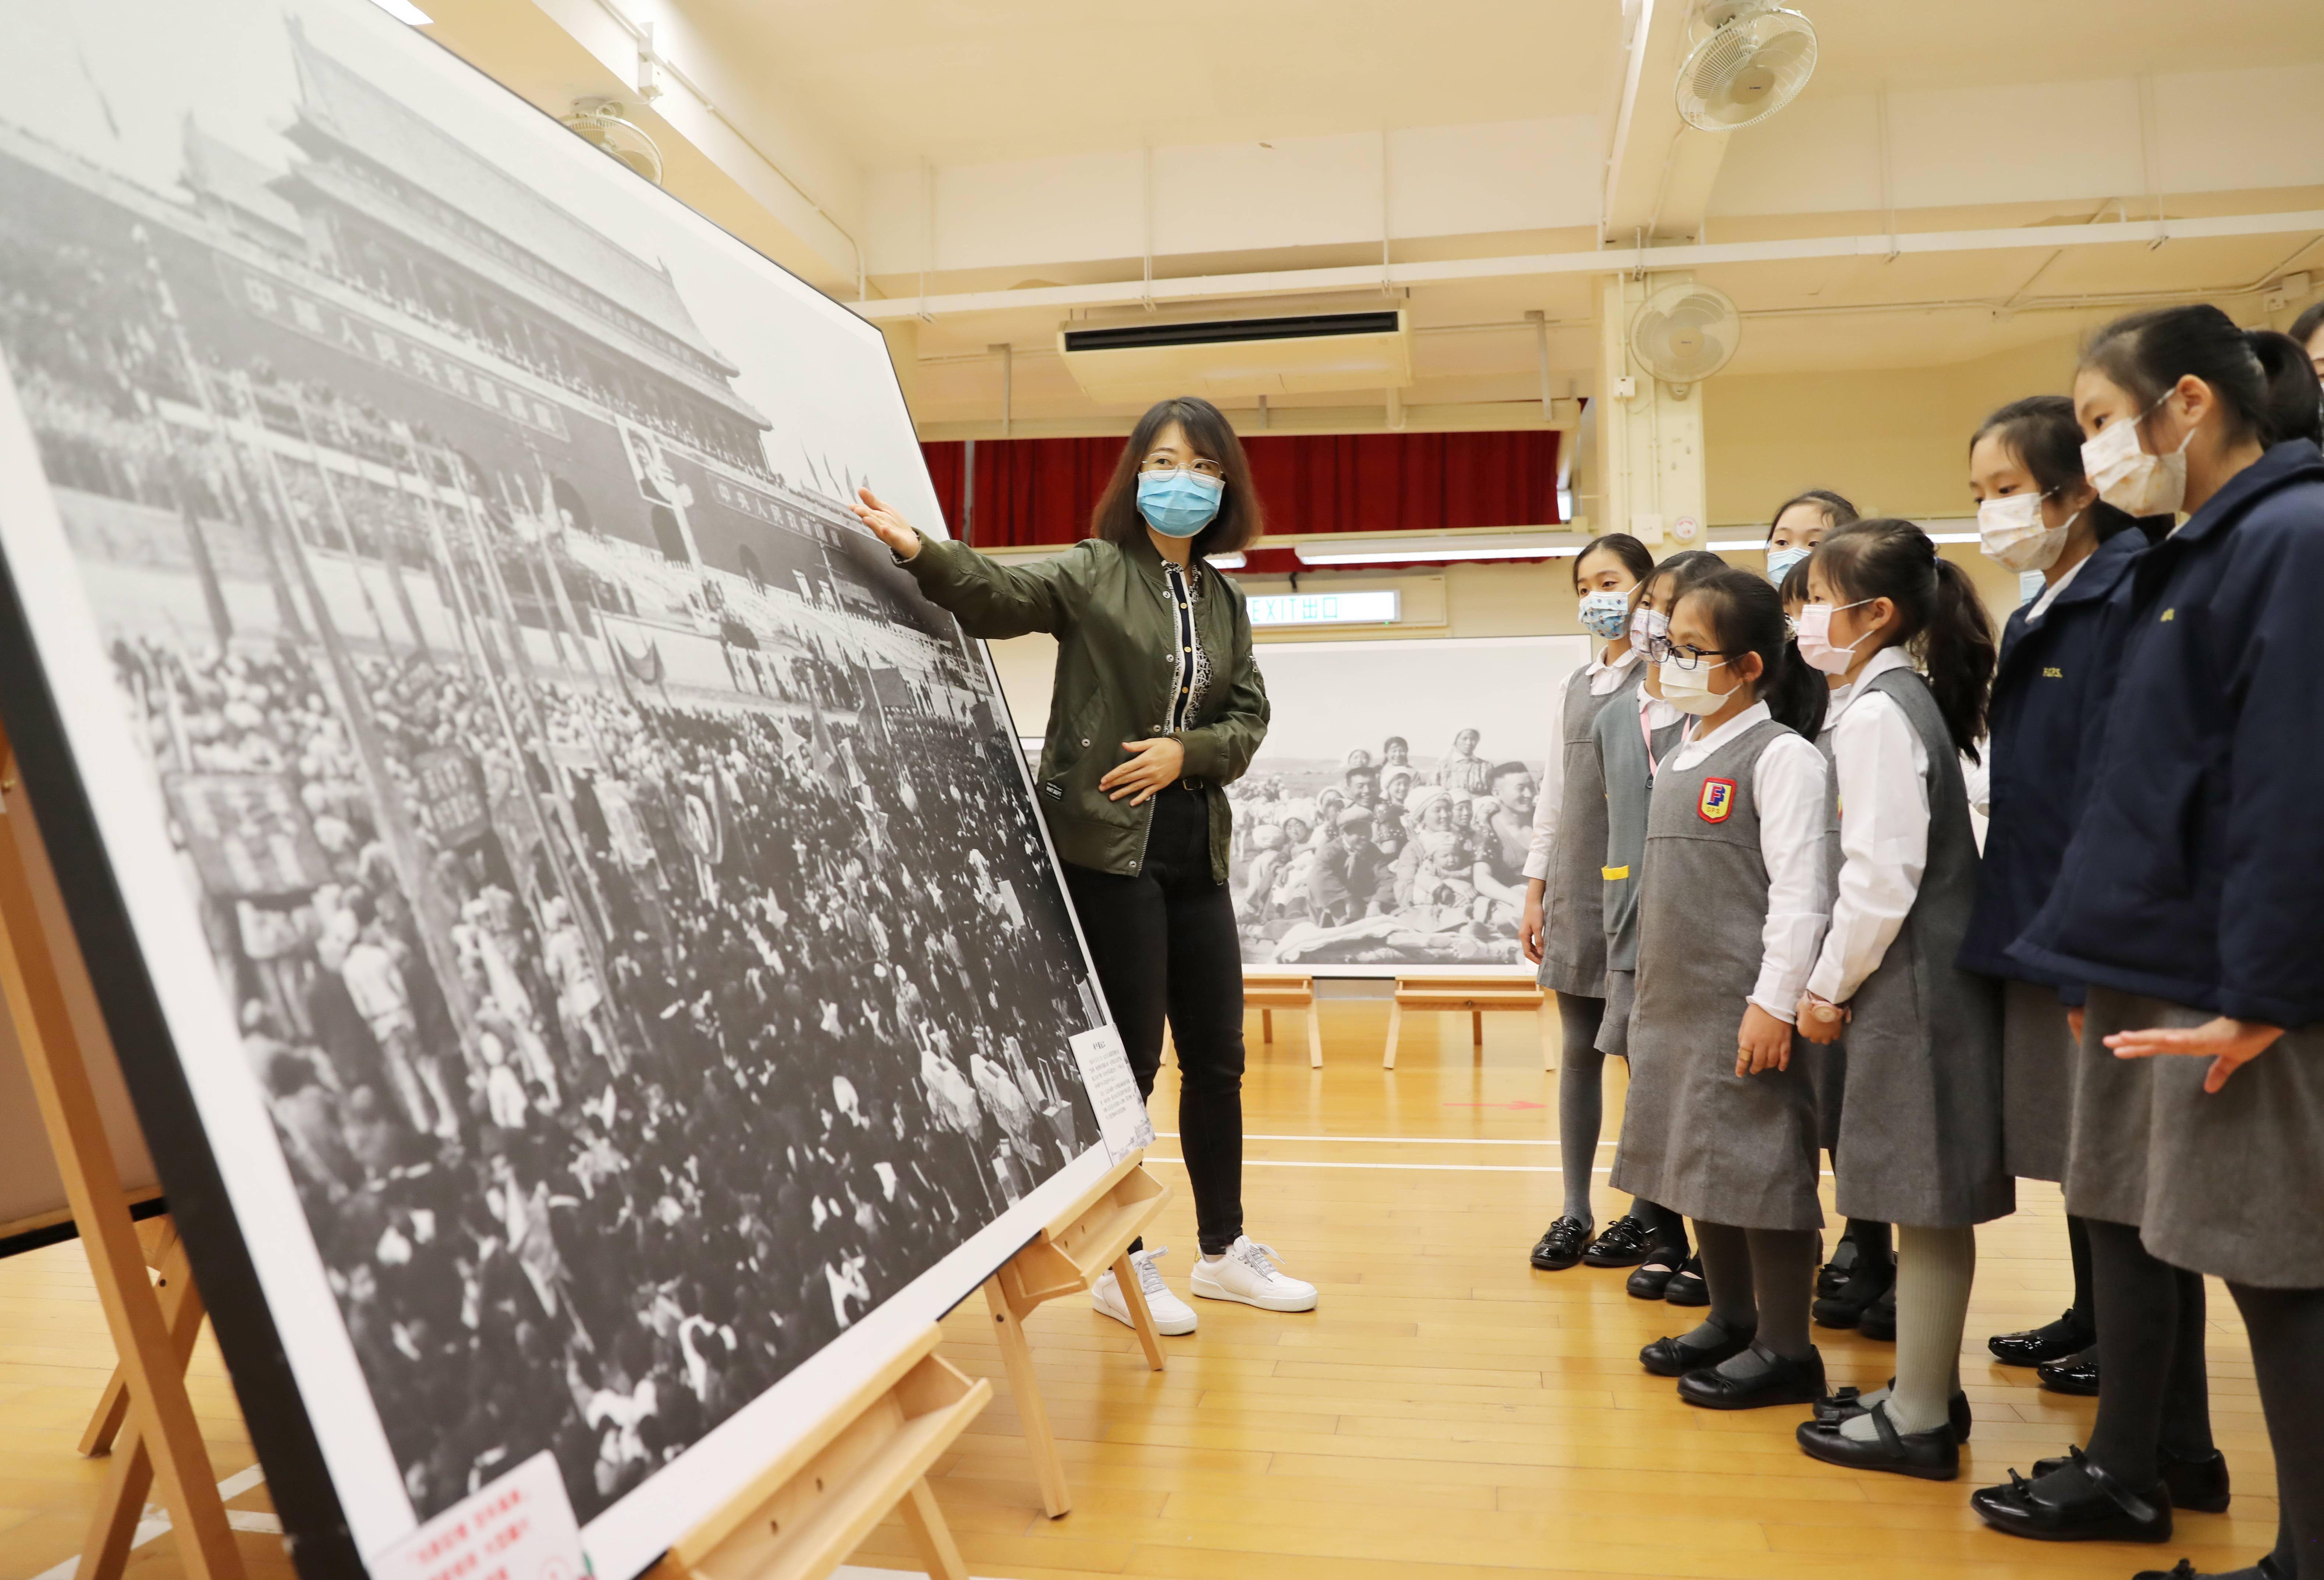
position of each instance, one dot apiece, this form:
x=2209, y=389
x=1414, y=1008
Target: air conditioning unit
x=1136, y=364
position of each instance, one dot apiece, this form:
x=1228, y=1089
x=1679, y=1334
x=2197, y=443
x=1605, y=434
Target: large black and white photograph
x=1383, y=828
x=597, y=901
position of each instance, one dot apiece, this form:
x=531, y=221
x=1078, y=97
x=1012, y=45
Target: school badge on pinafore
x=1716, y=802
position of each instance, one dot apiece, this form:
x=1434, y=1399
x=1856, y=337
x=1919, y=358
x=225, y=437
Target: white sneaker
x=1172, y=1316
x=1247, y=1273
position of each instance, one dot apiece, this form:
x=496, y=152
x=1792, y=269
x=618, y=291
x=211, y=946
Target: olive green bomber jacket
x=1110, y=610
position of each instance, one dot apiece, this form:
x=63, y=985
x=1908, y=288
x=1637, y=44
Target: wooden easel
x=1476, y=995
x=154, y=1327
x=1270, y=991
x=1077, y=1248
x=807, y=1511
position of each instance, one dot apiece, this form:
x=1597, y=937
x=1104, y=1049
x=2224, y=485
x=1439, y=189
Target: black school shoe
x=2068, y=1336
x=1652, y=1279
x=2076, y=1375
x=1879, y=1319
x=1625, y=1242
x=1832, y=1276
x=1871, y=1280
x=2200, y=1484
x=1686, y=1287
x=2184, y=1570
x=1833, y=1408
x=2105, y=1511
x=1560, y=1246
x=1784, y=1382
x=1934, y=1455
x=1674, y=1357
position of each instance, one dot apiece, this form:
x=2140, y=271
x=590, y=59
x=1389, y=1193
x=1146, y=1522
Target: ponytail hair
x=1943, y=622
x=1745, y=614
x=2295, y=403
x=1683, y=570
x=2146, y=354
x=2040, y=432
x=1839, y=510
x=1635, y=557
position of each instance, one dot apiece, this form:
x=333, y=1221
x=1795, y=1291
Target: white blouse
x=1883, y=773
x=1604, y=678
x=1788, y=786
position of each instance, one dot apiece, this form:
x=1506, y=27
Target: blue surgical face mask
x=1606, y=614
x=1178, y=504
x=2029, y=584
x=1780, y=562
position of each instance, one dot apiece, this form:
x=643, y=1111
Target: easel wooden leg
x=159, y=1236
x=1394, y=1028
x=104, y=1424
x=1314, y=1037
x=122, y=1505
x=1477, y=1030
x=1133, y=1295
x=34, y=932
x=1267, y=1025
x=930, y=1534
x=1017, y=1356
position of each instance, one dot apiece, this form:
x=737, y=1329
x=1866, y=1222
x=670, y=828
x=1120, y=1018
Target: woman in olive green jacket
x=1157, y=706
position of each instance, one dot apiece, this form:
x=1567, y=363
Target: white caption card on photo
x=1113, y=1091
x=518, y=1527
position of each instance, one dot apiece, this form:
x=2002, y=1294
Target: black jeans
x=1164, y=943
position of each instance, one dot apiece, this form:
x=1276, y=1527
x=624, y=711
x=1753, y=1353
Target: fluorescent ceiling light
x=405, y=11
x=1224, y=561
x=1735, y=543
x=1407, y=550
x=1952, y=537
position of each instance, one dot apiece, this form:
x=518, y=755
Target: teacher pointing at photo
x=1158, y=705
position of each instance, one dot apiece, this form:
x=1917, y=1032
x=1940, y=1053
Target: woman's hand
x=1531, y=927
x=2229, y=1044
x=1764, y=1043
x=886, y=525
x=1820, y=1021
x=1153, y=765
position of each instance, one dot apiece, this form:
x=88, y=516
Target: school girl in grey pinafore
x=1628, y=762
x=1574, y=937
x=1919, y=1133
x=1696, y=1137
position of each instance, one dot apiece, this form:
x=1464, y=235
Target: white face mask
x=1689, y=691
x=2011, y=532
x=2130, y=479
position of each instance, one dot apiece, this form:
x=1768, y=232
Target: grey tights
x=1581, y=1100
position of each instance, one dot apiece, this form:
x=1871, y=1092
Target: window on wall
x=1033, y=491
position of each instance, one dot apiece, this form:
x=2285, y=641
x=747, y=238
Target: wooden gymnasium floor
x=1448, y=1414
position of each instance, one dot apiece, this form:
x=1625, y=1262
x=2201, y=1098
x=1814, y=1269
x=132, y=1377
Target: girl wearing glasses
x=1720, y=1124
x=1920, y=1124
x=1561, y=929
x=1159, y=704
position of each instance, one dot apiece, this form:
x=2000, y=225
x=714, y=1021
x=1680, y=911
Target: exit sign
x=1381, y=608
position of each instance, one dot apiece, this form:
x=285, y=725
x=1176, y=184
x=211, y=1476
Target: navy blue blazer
x=2051, y=678
x=2195, y=867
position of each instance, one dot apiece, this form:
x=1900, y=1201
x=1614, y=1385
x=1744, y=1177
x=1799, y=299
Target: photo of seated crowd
x=650, y=967
x=1378, y=855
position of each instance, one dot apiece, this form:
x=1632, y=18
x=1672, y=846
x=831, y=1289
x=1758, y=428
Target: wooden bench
x=1476, y=995
x=1270, y=991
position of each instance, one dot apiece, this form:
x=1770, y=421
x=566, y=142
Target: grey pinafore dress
x=2195, y=1170
x=1697, y=1137
x=1920, y=1123
x=1629, y=773
x=2037, y=1080
x=1573, y=936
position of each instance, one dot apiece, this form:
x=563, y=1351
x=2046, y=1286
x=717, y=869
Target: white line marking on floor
x=156, y=1522
x=1429, y=1167
x=1408, y=1140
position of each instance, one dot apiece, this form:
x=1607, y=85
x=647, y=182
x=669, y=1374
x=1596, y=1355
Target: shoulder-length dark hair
x=1211, y=436
x=2040, y=432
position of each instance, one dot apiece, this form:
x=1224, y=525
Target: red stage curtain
x=1041, y=490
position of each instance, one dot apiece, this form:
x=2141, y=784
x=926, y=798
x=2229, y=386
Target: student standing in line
x=1800, y=525
x=1562, y=930
x=2038, y=516
x=1632, y=743
x=2308, y=331
x=1159, y=704
x=2185, y=902
x=1919, y=1129
x=1720, y=1123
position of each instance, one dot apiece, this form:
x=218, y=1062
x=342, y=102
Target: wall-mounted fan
x=604, y=122
x=1683, y=333
x=1754, y=60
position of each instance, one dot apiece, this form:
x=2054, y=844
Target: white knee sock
x=1934, y=1271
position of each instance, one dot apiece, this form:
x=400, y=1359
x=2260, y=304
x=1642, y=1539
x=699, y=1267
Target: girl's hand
x=2229, y=1044
x=886, y=525
x=1153, y=765
x=1818, y=1021
x=1764, y=1043
x=1531, y=928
